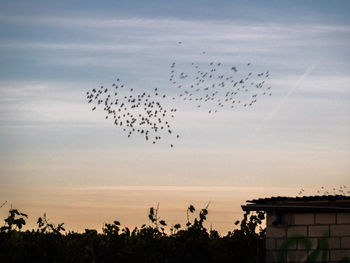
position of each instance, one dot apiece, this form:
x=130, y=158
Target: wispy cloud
x=285, y=97
x=174, y=188
x=143, y=22
x=167, y=30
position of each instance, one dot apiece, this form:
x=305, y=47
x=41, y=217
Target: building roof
x=323, y=203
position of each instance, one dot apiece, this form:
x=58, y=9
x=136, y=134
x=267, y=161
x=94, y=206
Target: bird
x=125, y=111
x=213, y=86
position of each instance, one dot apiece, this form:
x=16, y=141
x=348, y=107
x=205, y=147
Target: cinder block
x=338, y=254
x=285, y=219
x=318, y=231
x=269, y=219
x=272, y=256
x=314, y=243
x=288, y=219
x=320, y=255
x=270, y=243
x=275, y=232
x=343, y=218
x=325, y=218
x=304, y=219
x=297, y=255
x=340, y=230
x=345, y=242
x=297, y=230
x=334, y=242
x=279, y=243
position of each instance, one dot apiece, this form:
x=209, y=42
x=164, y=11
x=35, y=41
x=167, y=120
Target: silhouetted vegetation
x=156, y=242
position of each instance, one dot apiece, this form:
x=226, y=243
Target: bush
x=149, y=243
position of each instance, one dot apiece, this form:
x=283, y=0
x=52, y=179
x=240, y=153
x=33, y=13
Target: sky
x=59, y=157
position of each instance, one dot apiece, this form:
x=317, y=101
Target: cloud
x=172, y=188
x=140, y=51
x=107, y=21
x=161, y=30
x=144, y=47
x=283, y=99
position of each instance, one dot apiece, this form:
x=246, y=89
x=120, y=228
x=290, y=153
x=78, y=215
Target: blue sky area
x=53, y=52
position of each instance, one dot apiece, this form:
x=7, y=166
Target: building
x=305, y=229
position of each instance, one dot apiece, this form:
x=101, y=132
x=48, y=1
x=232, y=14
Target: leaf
x=23, y=214
x=261, y=215
x=15, y=211
x=191, y=208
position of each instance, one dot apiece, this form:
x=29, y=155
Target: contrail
x=283, y=100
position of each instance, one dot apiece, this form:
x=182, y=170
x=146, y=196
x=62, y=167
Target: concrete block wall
x=313, y=226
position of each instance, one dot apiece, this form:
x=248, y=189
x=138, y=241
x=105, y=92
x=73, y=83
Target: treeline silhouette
x=155, y=242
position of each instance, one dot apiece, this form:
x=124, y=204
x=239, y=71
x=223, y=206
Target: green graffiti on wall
x=321, y=249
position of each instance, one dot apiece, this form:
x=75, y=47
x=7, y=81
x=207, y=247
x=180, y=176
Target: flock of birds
x=341, y=190
x=211, y=86
x=134, y=112
x=215, y=86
